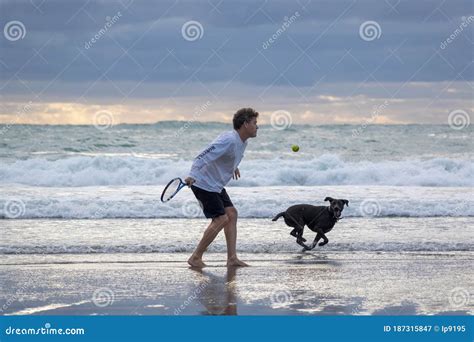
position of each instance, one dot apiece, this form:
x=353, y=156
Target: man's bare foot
x=236, y=262
x=196, y=262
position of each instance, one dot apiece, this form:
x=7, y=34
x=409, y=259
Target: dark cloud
x=146, y=44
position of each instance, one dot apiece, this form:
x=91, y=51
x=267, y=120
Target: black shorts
x=212, y=203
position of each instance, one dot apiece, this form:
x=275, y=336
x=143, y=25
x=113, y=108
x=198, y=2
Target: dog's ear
x=346, y=202
x=330, y=199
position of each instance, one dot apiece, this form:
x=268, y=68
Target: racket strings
x=171, y=189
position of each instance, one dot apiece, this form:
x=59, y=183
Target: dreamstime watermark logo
x=18, y=115
x=459, y=119
x=192, y=30
x=464, y=24
x=14, y=30
x=100, y=213
x=192, y=297
x=109, y=22
x=281, y=119
x=126, y=3
x=46, y=330
x=198, y=111
x=103, y=119
x=376, y=112
x=14, y=209
x=103, y=297
x=370, y=208
x=286, y=24
x=459, y=297
x=281, y=297
x=191, y=208
x=14, y=297
x=370, y=30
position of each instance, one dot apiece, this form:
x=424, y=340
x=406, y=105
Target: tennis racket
x=172, y=188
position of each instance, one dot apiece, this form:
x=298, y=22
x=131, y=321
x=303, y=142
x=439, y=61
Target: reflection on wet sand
x=218, y=294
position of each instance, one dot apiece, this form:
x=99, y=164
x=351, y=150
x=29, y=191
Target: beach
x=123, y=267
x=237, y=170
x=84, y=231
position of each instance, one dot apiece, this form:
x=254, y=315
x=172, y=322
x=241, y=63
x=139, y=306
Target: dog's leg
x=298, y=233
x=300, y=240
x=315, y=241
x=302, y=244
x=325, y=240
x=298, y=227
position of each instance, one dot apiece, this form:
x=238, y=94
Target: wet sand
x=315, y=283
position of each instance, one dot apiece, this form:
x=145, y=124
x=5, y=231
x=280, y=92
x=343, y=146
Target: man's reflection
x=218, y=293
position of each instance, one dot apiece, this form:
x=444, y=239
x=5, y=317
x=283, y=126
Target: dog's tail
x=278, y=216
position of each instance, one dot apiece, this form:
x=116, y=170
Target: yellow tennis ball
x=295, y=148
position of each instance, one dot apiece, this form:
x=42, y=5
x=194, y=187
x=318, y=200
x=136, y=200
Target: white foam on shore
x=244, y=247
x=328, y=169
x=49, y=307
x=262, y=202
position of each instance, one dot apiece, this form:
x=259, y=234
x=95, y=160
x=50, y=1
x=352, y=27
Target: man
x=211, y=171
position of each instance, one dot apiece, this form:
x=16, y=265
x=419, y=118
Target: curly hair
x=243, y=115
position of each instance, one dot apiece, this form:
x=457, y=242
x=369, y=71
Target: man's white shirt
x=214, y=166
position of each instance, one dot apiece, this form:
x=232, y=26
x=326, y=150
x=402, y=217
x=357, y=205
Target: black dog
x=319, y=219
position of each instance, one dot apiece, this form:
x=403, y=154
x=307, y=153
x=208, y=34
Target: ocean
x=86, y=195
x=384, y=171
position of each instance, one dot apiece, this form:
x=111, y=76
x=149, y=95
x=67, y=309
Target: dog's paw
x=322, y=243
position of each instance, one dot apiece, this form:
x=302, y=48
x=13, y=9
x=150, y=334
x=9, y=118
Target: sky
x=314, y=62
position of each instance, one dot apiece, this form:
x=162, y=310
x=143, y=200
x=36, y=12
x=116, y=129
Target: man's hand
x=236, y=174
x=189, y=181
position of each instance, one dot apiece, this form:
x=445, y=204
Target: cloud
x=430, y=105
x=123, y=52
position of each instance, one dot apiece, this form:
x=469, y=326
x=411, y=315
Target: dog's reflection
x=218, y=294
x=313, y=259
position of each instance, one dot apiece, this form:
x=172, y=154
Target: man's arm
x=190, y=180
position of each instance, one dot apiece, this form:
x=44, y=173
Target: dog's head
x=336, y=206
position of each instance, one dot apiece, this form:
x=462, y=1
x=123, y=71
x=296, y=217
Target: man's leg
x=209, y=235
x=230, y=230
